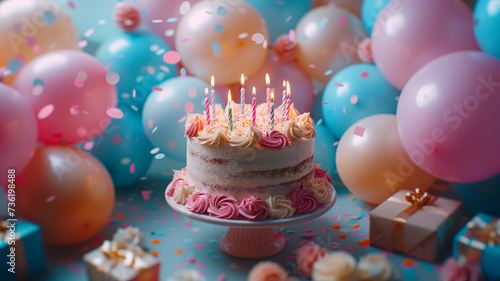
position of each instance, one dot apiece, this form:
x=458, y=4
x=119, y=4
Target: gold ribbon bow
x=3, y=228
x=480, y=235
x=417, y=200
x=122, y=252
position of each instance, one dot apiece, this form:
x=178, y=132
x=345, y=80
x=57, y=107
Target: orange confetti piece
x=179, y=252
x=342, y=236
x=355, y=225
x=350, y=195
x=120, y=216
x=408, y=263
x=155, y=241
x=364, y=243
x=336, y=226
x=155, y=253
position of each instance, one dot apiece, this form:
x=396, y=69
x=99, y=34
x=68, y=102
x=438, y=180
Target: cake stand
x=252, y=239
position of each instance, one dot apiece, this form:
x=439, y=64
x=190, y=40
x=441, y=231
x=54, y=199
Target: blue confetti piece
x=322, y=23
x=14, y=64
x=328, y=72
x=289, y=264
x=428, y=267
x=183, y=71
x=155, y=247
x=216, y=48
x=409, y=274
x=219, y=28
x=363, y=215
x=188, y=241
x=217, y=257
x=171, y=20
x=304, y=38
x=213, y=241
x=221, y=11
x=37, y=82
x=210, y=251
x=48, y=17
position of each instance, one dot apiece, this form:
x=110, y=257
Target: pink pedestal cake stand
x=252, y=239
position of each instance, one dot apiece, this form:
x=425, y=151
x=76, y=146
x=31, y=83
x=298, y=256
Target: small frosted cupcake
x=336, y=266
x=374, y=267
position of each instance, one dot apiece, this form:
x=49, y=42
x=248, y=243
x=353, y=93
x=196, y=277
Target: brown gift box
x=419, y=230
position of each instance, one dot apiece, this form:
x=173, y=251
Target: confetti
x=171, y=20
x=342, y=236
x=216, y=48
x=258, y=38
x=172, y=57
x=354, y=99
x=45, y=111
x=169, y=32
x=154, y=150
x=242, y=35
x=50, y=199
x=159, y=156
x=189, y=107
x=146, y=194
x=178, y=252
x=184, y=8
x=408, y=263
x=112, y=78
x=78, y=83
x=359, y=131
x=89, y=32
x=222, y=277
x=328, y=72
x=342, y=20
x=191, y=260
x=339, y=84
x=364, y=75
x=199, y=246
x=114, y=113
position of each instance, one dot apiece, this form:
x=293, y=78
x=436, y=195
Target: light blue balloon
x=281, y=16
x=359, y=97
x=138, y=60
x=480, y=196
x=163, y=166
x=369, y=12
x=487, y=27
x=124, y=149
x=326, y=152
x=165, y=112
x=316, y=110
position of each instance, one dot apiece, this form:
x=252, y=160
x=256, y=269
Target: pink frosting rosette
x=274, y=140
x=267, y=271
x=453, y=271
x=320, y=173
x=195, y=127
x=307, y=255
x=176, y=184
x=303, y=200
x=198, y=202
x=223, y=206
x=254, y=208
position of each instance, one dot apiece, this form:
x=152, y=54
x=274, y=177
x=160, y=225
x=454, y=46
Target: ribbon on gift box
x=117, y=252
x=480, y=235
x=416, y=200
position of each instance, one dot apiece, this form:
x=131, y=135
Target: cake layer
x=258, y=171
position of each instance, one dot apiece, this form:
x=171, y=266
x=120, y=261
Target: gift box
x=121, y=261
x=415, y=224
x=28, y=256
x=479, y=241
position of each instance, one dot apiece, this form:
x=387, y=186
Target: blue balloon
x=165, y=112
x=356, y=92
x=369, y=12
x=163, y=167
x=316, y=111
x=326, y=152
x=487, y=27
x=138, y=60
x=124, y=149
x=281, y=16
x=480, y=196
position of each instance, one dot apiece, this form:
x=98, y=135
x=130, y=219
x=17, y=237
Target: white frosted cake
x=253, y=172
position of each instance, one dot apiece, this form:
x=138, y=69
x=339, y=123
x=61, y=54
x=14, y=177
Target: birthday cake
x=252, y=166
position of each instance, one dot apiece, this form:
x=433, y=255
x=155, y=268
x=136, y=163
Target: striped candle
x=207, y=108
x=283, y=99
x=272, y=112
x=230, y=111
x=268, y=93
x=254, y=108
x=288, y=101
x=242, y=95
x=212, y=96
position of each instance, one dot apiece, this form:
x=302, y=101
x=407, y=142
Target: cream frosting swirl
x=280, y=207
x=275, y=140
x=293, y=111
x=250, y=138
x=181, y=193
x=306, y=125
x=195, y=127
x=292, y=131
x=198, y=202
x=212, y=135
x=336, y=266
x=321, y=189
x=374, y=267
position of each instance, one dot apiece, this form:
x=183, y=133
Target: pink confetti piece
x=88, y=32
x=222, y=277
x=30, y=41
x=335, y=245
x=336, y=143
x=308, y=230
x=199, y=246
x=37, y=90
x=364, y=75
x=191, y=259
x=132, y=168
x=336, y=217
x=157, y=88
x=189, y=107
x=343, y=109
x=350, y=247
x=125, y=225
x=117, y=139
x=114, y=113
x=78, y=83
x=50, y=199
x=146, y=194
x=182, y=119
x=326, y=103
x=45, y=111
x=342, y=20
x=140, y=218
x=177, y=219
x=309, y=223
x=88, y=145
x=187, y=224
x=355, y=231
x=172, y=57
x=324, y=229
x=354, y=99
x=83, y=43
x=359, y=131
x=278, y=235
x=180, y=266
x=174, y=213
x=200, y=265
x=164, y=219
x=291, y=35
x=312, y=65
x=339, y=84
x=81, y=131
x=184, y=40
x=71, y=5
x=38, y=49
x=346, y=214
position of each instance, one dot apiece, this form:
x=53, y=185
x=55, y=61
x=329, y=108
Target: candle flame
x=206, y=92
x=272, y=96
x=253, y=91
x=242, y=79
x=288, y=92
x=284, y=84
x=229, y=96
x=212, y=81
x=268, y=81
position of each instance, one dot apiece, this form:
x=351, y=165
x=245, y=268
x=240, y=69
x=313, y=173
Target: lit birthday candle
x=268, y=93
x=254, y=107
x=230, y=111
x=272, y=112
x=207, y=107
x=212, y=96
x=288, y=101
x=242, y=95
x=283, y=99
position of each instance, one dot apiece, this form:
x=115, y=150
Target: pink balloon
x=408, y=34
x=17, y=132
x=448, y=116
x=69, y=94
x=301, y=87
x=162, y=16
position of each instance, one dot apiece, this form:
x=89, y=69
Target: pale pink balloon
x=408, y=34
x=302, y=91
x=18, y=132
x=69, y=94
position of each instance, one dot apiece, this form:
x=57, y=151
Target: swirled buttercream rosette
x=254, y=208
x=223, y=206
x=198, y=202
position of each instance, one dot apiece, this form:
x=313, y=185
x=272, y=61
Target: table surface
x=182, y=243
